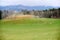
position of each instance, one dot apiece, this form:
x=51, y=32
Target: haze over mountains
x=20, y=7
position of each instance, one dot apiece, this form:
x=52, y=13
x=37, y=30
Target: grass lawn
x=30, y=29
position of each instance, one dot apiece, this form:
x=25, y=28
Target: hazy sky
x=55, y=3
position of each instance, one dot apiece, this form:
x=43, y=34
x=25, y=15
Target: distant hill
x=20, y=7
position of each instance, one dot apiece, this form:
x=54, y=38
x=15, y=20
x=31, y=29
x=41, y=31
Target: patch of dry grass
x=19, y=16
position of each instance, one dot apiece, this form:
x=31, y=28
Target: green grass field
x=30, y=29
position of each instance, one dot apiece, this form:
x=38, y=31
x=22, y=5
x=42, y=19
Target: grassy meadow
x=30, y=29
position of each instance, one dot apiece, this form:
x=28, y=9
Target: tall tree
x=59, y=11
x=0, y=14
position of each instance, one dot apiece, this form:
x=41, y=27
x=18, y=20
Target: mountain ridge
x=20, y=7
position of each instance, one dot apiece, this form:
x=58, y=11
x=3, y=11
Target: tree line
x=48, y=13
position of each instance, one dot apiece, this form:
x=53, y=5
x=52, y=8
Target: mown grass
x=30, y=29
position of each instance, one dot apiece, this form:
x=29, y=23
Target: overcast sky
x=55, y=3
